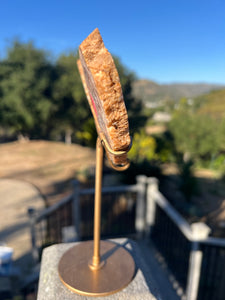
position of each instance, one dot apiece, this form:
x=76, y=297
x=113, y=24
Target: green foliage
x=165, y=151
x=188, y=184
x=88, y=135
x=143, y=148
x=198, y=136
x=43, y=99
x=219, y=162
x=71, y=107
x=143, y=158
x=25, y=85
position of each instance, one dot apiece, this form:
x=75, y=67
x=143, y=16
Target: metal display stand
x=98, y=268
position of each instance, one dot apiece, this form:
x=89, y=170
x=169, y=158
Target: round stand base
x=115, y=274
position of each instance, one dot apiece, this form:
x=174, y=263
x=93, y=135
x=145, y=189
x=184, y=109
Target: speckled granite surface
x=50, y=286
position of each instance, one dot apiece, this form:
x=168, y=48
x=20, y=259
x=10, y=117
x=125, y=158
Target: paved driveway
x=15, y=198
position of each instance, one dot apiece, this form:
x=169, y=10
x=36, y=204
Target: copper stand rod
x=96, y=260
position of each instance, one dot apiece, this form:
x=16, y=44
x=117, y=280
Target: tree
x=69, y=98
x=25, y=85
x=41, y=99
x=196, y=136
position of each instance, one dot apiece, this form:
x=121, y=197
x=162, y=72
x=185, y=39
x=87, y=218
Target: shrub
x=143, y=148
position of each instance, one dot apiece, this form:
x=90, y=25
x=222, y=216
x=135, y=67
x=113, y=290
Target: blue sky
x=165, y=41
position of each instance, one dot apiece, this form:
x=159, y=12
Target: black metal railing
x=196, y=261
x=212, y=280
x=172, y=245
x=117, y=216
x=46, y=227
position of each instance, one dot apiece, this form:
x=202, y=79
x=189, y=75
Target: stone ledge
x=50, y=286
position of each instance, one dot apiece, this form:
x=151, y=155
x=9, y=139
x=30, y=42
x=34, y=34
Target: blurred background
x=170, y=58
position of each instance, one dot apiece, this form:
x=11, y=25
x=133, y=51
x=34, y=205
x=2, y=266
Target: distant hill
x=212, y=104
x=152, y=92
